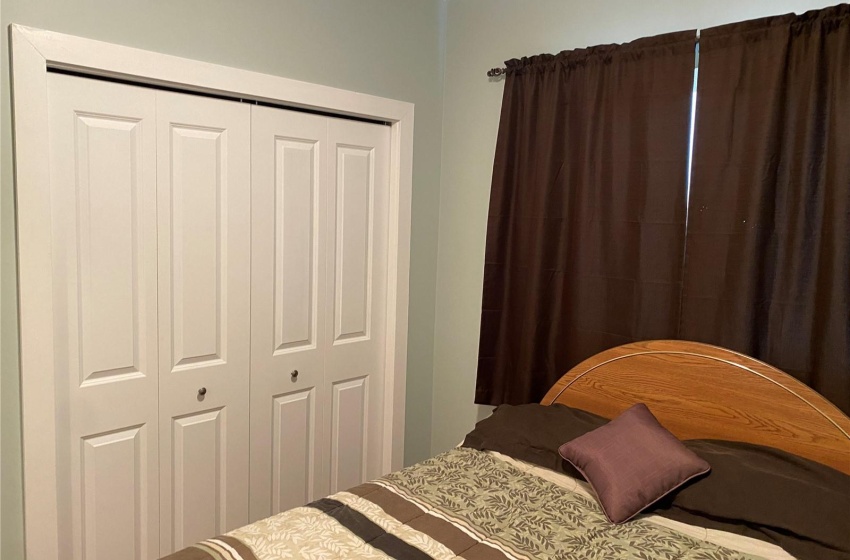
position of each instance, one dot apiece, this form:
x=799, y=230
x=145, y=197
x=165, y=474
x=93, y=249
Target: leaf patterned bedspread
x=461, y=504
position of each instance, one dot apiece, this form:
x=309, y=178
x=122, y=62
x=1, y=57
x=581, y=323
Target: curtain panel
x=767, y=262
x=586, y=224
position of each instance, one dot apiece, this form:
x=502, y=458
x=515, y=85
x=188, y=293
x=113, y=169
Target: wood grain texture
x=699, y=391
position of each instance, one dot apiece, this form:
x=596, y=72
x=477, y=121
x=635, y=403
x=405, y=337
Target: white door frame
x=33, y=52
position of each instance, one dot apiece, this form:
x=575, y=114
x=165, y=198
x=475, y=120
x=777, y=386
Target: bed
x=502, y=494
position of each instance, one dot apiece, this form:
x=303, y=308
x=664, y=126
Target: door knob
x=202, y=391
x=294, y=374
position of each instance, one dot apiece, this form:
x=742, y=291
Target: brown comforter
x=461, y=504
x=752, y=490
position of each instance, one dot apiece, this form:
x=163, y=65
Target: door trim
x=33, y=52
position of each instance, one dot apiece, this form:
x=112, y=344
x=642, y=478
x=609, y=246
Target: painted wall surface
x=390, y=48
x=481, y=34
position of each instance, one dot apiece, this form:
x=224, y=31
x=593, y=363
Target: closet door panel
x=287, y=309
x=354, y=235
x=103, y=189
x=356, y=292
x=199, y=462
x=203, y=171
x=293, y=450
x=349, y=452
x=113, y=513
x=199, y=257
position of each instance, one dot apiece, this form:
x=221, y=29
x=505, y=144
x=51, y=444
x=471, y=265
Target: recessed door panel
x=115, y=495
x=288, y=223
x=293, y=449
x=296, y=219
x=198, y=189
x=103, y=193
x=109, y=242
x=353, y=282
x=203, y=170
x=199, y=469
x=349, y=405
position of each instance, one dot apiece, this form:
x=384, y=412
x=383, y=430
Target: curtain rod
x=496, y=72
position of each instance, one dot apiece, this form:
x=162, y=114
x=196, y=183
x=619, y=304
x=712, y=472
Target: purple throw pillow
x=632, y=462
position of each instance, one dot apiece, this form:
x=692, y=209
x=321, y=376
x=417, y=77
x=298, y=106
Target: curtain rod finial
x=496, y=72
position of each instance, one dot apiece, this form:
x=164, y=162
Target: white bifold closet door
x=356, y=292
x=319, y=266
x=204, y=236
x=219, y=279
x=103, y=197
x=289, y=238
x=150, y=196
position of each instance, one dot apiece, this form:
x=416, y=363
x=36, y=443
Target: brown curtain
x=767, y=267
x=587, y=210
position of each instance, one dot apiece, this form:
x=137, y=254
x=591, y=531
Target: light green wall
x=480, y=35
x=390, y=48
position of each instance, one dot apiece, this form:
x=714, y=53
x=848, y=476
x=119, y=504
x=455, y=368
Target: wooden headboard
x=698, y=391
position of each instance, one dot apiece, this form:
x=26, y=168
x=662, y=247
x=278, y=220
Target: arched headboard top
x=699, y=391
